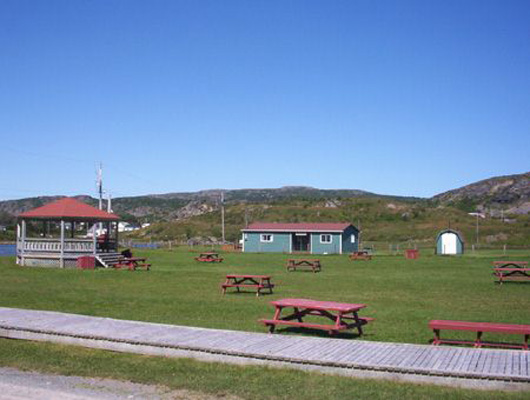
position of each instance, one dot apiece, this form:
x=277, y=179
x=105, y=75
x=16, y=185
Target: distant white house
x=477, y=214
x=126, y=227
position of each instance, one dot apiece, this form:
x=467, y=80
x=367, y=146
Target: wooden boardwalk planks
x=507, y=365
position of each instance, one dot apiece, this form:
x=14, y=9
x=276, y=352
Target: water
x=8, y=249
x=145, y=245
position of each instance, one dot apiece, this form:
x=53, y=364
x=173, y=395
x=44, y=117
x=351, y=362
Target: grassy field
x=403, y=295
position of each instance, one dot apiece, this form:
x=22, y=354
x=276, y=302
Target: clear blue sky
x=394, y=97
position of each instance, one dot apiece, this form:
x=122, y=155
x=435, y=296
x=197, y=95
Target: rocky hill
x=508, y=193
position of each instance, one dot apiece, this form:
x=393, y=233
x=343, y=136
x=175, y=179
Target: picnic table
x=342, y=315
x=209, y=256
x=304, y=263
x=132, y=263
x=360, y=255
x=257, y=282
x=511, y=270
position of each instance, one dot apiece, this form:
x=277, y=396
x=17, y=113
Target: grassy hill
x=380, y=220
x=504, y=201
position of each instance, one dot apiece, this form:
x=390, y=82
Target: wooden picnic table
x=132, y=263
x=511, y=270
x=209, y=256
x=239, y=281
x=342, y=315
x=360, y=255
x=304, y=263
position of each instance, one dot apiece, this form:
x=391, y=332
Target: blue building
x=314, y=238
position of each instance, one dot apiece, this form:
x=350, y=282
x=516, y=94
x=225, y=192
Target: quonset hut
x=449, y=242
x=314, y=238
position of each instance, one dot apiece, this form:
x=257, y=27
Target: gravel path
x=18, y=385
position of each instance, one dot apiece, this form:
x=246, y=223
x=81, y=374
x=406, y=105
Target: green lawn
x=403, y=295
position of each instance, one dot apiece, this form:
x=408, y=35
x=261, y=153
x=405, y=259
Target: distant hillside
x=509, y=193
x=196, y=216
x=177, y=206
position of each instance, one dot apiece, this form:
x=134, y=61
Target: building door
x=300, y=242
x=449, y=243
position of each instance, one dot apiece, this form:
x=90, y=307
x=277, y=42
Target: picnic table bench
x=511, y=270
x=360, y=255
x=480, y=328
x=209, y=256
x=343, y=315
x=304, y=263
x=132, y=263
x=257, y=282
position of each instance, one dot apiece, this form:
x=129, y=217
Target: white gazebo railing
x=54, y=245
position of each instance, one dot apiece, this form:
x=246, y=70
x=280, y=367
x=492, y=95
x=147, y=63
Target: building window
x=326, y=238
x=353, y=238
x=266, y=237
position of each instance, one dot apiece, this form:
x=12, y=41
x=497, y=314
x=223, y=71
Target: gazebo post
x=94, y=239
x=116, y=235
x=23, y=241
x=61, y=264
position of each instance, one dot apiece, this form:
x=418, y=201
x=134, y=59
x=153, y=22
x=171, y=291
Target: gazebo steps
x=108, y=259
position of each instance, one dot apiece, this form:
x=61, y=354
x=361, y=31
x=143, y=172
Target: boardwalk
x=330, y=355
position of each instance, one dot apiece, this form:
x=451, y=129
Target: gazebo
x=56, y=234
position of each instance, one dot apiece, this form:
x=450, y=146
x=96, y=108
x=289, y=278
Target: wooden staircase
x=108, y=259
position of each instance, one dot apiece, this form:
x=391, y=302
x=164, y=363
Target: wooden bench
x=511, y=274
x=304, y=263
x=360, y=255
x=479, y=328
x=209, y=257
x=258, y=282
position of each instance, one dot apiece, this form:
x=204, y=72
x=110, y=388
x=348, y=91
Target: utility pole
x=109, y=203
x=223, y=216
x=477, y=227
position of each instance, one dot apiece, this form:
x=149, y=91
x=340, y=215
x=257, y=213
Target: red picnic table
x=360, y=255
x=343, y=315
x=132, y=263
x=304, y=263
x=257, y=282
x=209, y=256
x=511, y=270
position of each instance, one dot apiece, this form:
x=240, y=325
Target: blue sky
x=393, y=97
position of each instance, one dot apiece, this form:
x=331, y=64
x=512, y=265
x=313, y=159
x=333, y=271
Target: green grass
x=403, y=295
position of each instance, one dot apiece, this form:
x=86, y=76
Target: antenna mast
x=100, y=185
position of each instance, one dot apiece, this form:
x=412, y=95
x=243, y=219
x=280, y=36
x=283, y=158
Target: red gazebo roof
x=69, y=208
x=298, y=227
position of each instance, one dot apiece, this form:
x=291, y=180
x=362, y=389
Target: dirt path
x=18, y=385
